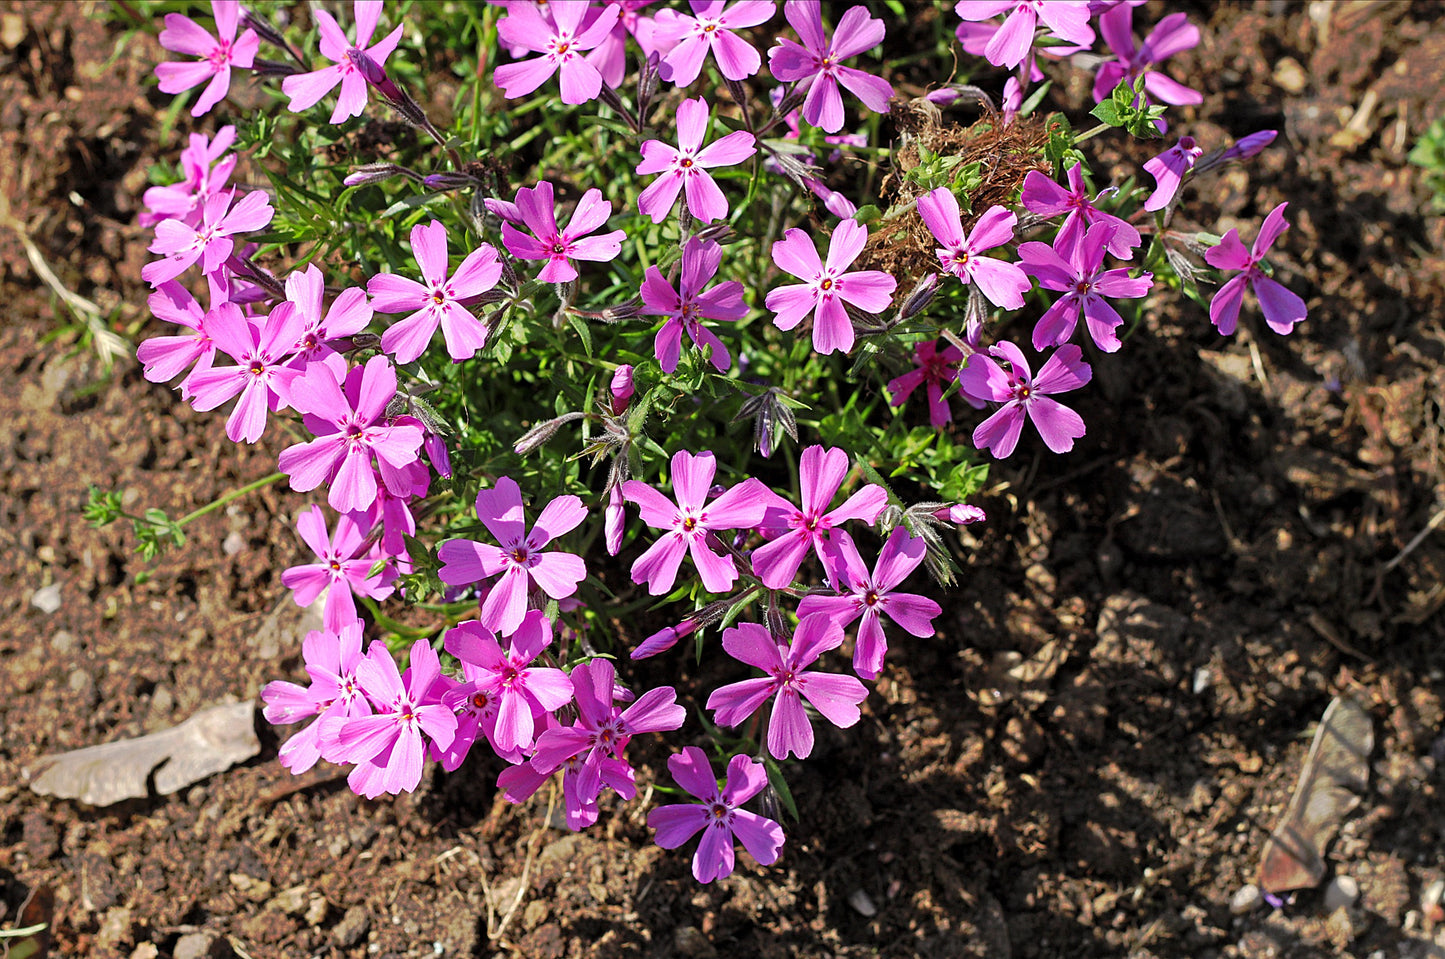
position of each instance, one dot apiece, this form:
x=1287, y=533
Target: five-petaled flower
x=1282, y=308
x=534, y=209
x=1043, y=196
x=685, y=166
x=937, y=369
x=1077, y=269
x=522, y=692
x=1002, y=282
x=1066, y=19
x=306, y=89
x=1174, y=34
x=687, y=309
x=218, y=54
x=827, y=286
x=719, y=817
x=687, y=39
x=344, y=567
x=561, y=44
x=1025, y=395
x=816, y=65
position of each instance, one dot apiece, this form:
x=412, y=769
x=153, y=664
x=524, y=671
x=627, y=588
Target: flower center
x=438, y=297
x=870, y=598
x=257, y=368
x=686, y=163
x=479, y=700
x=518, y=555
x=826, y=285
x=689, y=524
x=559, y=248
x=718, y=811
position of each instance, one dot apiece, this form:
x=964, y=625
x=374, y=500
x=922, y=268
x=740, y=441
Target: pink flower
x=1003, y=283
x=306, y=89
x=687, y=310
x=350, y=313
x=1043, y=196
x=610, y=56
x=344, y=568
x=520, y=557
x=218, y=54
x=331, y=659
x=260, y=375
x=1066, y=19
x=872, y=596
x=833, y=695
x=1282, y=309
x=621, y=388
x=613, y=515
x=710, y=28
x=815, y=65
x=185, y=200
x=1023, y=395
x=1078, y=270
x=689, y=521
x=561, y=45
x=435, y=301
x=820, y=473
x=164, y=357
x=559, y=247
x=719, y=818
x=936, y=369
x=827, y=287
x=522, y=692
x=686, y=166
x=1174, y=34
x=210, y=240
x=1168, y=170
x=387, y=745
x=350, y=423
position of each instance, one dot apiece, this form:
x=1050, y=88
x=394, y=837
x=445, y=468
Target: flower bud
x=664, y=639
x=612, y=517
x=923, y=293
x=960, y=514
x=621, y=388
x=376, y=172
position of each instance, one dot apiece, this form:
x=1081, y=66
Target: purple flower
x=1003, y=283
x=719, y=818
x=260, y=375
x=1174, y=34
x=688, y=39
x=561, y=45
x=689, y=520
x=834, y=695
x=820, y=473
x=827, y=287
x=350, y=313
x=1023, y=395
x=344, y=568
x=936, y=369
x=435, y=301
x=686, y=166
x=664, y=639
x=208, y=241
x=164, y=357
x=387, y=745
x=1078, y=270
x=687, y=310
x=1168, y=170
x=816, y=65
x=350, y=423
x=331, y=659
x=1066, y=19
x=1282, y=309
x=306, y=89
x=185, y=200
x=1044, y=197
x=522, y=692
x=960, y=514
x=872, y=596
x=621, y=388
x=218, y=54
x=520, y=557
x=559, y=247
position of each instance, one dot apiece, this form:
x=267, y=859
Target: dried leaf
x=1334, y=775
x=209, y=742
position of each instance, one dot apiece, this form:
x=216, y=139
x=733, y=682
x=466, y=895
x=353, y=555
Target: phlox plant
x=561, y=484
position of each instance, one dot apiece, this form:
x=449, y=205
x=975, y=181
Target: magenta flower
x=561, y=45
x=601, y=734
x=719, y=818
x=688, y=39
x=621, y=388
x=827, y=287
x=185, y=200
x=664, y=639
x=352, y=432
x=1066, y=19
x=689, y=521
x=350, y=313
x=834, y=695
x=435, y=301
x=873, y=596
x=820, y=473
x=210, y=240
x=218, y=53
x=687, y=310
x=387, y=745
x=307, y=89
x=1003, y=283
x=936, y=370
x=1078, y=270
x=610, y=56
x=522, y=692
x=1023, y=395
x=816, y=65
x=1168, y=170
x=165, y=357
x=260, y=375
x=1282, y=309
x=1174, y=34
x=686, y=166
x=1044, y=197
x=344, y=568
x=560, y=247
x=520, y=557
x=331, y=660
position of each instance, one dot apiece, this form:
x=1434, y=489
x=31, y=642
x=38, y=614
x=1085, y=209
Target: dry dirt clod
x=352, y=928
x=1341, y=893
x=1245, y=900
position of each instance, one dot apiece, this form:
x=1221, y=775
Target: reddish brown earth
x=1085, y=761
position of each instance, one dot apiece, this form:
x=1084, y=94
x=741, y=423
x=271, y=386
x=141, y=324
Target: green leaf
x=776, y=780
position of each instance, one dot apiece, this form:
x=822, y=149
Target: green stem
x=1090, y=134
x=220, y=501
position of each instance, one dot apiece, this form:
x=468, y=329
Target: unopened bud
x=397, y=98
x=647, y=83
x=923, y=293
x=541, y=433
x=960, y=514
x=621, y=388
x=663, y=640
x=376, y=172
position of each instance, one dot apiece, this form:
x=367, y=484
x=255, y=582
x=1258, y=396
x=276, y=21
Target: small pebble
x=194, y=945
x=1246, y=900
x=233, y=544
x=1202, y=679
x=1341, y=893
x=47, y=598
x=862, y=904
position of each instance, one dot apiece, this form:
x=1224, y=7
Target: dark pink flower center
x=718, y=811
x=519, y=555
x=826, y=285
x=479, y=699
x=257, y=368
x=870, y=598
x=689, y=524
x=559, y=249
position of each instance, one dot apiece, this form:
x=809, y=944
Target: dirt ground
x=1085, y=761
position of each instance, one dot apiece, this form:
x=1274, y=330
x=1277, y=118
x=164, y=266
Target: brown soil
x=1084, y=762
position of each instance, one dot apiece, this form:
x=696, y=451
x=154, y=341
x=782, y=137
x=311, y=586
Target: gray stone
x=1341, y=893
x=352, y=928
